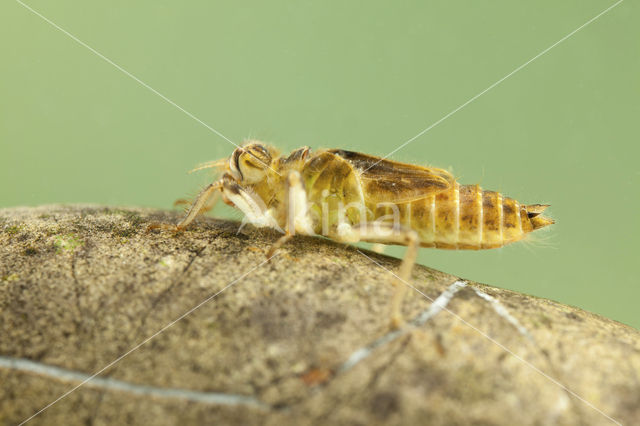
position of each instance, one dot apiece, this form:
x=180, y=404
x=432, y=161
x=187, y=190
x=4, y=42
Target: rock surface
x=212, y=334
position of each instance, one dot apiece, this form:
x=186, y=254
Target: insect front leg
x=211, y=203
x=297, y=213
x=387, y=234
x=199, y=203
x=255, y=212
x=197, y=207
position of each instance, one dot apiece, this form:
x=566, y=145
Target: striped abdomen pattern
x=467, y=217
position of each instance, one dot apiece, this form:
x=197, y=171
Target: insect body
x=428, y=201
x=351, y=197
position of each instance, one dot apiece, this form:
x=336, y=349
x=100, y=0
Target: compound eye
x=259, y=155
x=252, y=163
x=261, y=149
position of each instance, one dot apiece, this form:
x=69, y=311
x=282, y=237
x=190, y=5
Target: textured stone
x=267, y=344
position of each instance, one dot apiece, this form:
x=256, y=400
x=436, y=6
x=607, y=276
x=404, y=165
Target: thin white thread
x=77, y=40
x=144, y=341
x=497, y=83
x=100, y=55
x=492, y=340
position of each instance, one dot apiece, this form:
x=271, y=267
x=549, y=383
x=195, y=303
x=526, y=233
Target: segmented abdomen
x=467, y=217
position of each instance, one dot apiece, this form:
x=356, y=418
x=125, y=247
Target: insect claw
x=181, y=202
x=274, y=248
x=154, y=226
x=272, y=251
x=159, y=225
x=397, y=322
x=255, y=249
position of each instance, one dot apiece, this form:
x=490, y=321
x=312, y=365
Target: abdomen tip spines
x=533, y=213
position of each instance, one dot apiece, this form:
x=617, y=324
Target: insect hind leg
x=388, y=234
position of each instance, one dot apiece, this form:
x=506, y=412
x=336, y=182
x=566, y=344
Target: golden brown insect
x=351, y=197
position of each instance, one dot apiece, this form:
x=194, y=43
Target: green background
x=364, y=76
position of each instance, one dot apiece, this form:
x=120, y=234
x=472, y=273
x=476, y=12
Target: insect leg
x=279, y=243
x=401, y=282
x=388, y=234
x=254, y=209
x=211, y=203
x=298, y=219
x=198, y=206
x=297, y=215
